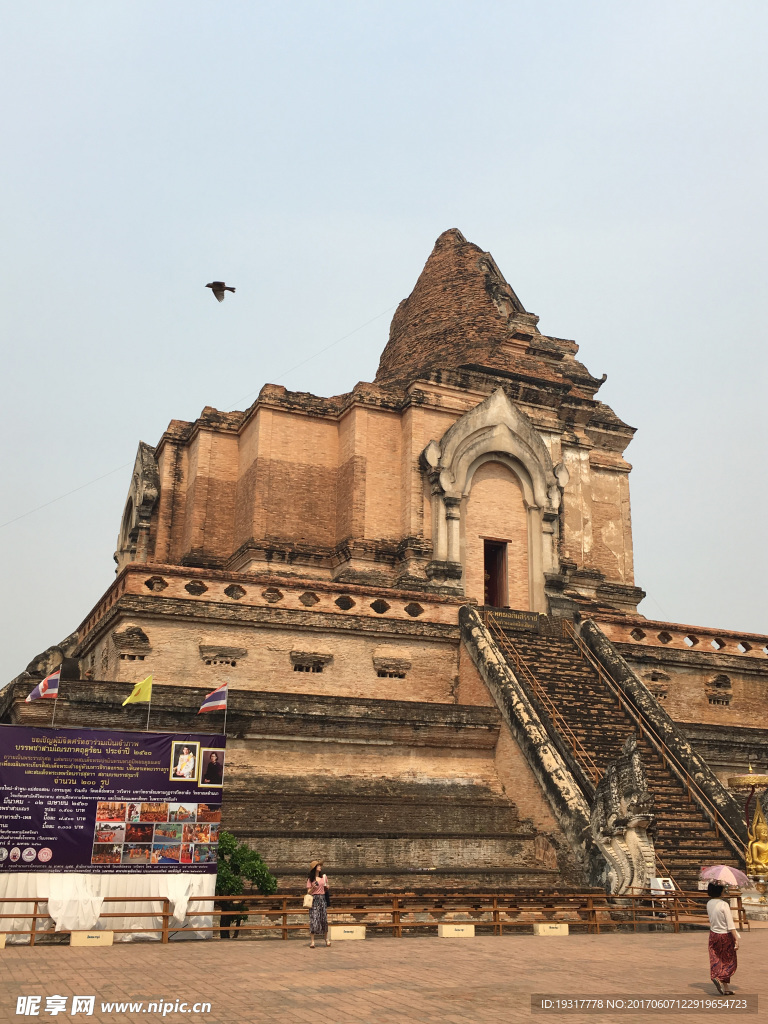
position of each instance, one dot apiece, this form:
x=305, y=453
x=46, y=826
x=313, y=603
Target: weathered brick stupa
x=422, y=596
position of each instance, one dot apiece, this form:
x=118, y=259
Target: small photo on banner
x=205, y=853
x=166, y=853
x=185, y=761
x=209, y=813
x=139, y=834
x=197, y=833
x=110, y=810
x=182, y=812
x=134, y=812
x=136, y=853
x=212, y=770
x=154, y=812
x=106, y=853
x=168, y=831
x=109, y=832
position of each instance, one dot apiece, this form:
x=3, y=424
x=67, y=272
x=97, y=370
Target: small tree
x=238, y=862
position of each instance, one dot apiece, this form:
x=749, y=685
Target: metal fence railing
x=395, y=913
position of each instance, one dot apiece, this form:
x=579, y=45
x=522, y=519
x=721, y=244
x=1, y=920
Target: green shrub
x=238, y=862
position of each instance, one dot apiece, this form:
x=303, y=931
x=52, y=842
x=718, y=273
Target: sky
x=611, y=157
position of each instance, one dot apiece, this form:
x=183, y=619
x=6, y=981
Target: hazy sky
x=611, y=156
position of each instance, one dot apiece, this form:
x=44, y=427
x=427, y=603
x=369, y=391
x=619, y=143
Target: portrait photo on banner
x=185, y=761
x=212, y=768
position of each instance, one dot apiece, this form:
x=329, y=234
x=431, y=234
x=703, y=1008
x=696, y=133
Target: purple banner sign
x=102, y=801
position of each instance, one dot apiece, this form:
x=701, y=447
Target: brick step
x=668, y=848
x=583, y=709
x=704, y=852
x=679, y=810
x=688, y=843
x=680, y=814
x=584, y=713
x=692, y=838
x=691, y=853
x=698, y=831
x=668, y=826
x=555, y=675
x=599, y=735
x=665, y=801
x=689, y=831
x=684, y=820
x=671, y=857
x=576, y=690
x=609, y=726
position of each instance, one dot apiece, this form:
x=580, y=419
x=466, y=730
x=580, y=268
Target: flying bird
x=218, y=288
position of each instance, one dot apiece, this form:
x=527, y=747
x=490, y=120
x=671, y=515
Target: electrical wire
x=241, y=399
x=66, y=494
x=319, y=352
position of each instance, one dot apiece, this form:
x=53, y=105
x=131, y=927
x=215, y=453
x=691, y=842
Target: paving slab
x=470, y=981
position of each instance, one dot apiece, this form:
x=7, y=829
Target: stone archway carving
x=496, y=431
x=142, y=497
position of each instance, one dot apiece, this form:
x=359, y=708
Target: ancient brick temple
x=422, y=595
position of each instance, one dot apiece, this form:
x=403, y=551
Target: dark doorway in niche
x=495, y=573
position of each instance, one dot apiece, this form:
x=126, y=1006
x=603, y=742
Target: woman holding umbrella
x=723, y=937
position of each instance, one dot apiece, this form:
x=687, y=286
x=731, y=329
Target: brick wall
x=708, y=692
x=175, y=658
x=698, y=675
x=611, y=530
x=495, y=511
x=471, y=688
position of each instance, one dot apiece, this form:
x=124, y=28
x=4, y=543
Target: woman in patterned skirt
x=317, y=887
x=723, y=940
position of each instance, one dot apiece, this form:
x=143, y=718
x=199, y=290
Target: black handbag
x=327, y=898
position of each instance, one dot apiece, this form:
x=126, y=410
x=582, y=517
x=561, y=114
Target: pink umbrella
x=725, y=874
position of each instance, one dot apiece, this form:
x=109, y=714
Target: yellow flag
x=142, y=692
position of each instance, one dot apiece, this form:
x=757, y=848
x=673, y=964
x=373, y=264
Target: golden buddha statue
x=757, y=845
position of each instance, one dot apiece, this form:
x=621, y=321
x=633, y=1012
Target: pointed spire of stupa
x=460, y=311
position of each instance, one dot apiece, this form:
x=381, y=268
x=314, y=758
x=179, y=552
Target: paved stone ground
x=426, y=979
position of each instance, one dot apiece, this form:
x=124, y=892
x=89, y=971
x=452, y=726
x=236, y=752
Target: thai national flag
x=48, y=688
x=216, y=700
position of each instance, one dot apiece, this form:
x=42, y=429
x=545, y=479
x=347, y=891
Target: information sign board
x=102, y=801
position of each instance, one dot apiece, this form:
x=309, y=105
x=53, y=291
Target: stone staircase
x=388, y=834
x=684, y=836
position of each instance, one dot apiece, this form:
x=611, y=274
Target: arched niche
x=494, y=431
x=494, y=535
x=133, y=540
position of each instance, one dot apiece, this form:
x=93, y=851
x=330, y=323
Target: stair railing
x=645, y=728
x=581, y=755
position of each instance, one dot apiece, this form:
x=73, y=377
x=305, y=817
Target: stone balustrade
x=270, y=590
x=652, y=633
